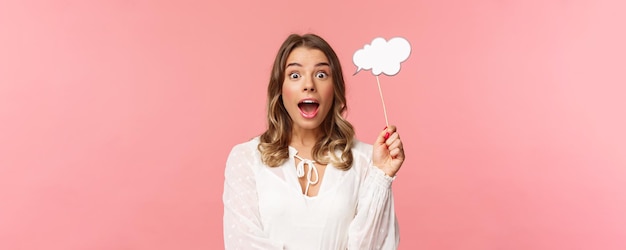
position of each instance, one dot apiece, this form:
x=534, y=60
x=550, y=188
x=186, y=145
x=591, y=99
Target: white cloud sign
x=381, y=56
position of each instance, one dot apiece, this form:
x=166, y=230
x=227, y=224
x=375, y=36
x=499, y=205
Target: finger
x=395, y=153
x=381, y=136
x=390, y=130
x=393, y=137
x=394, y=144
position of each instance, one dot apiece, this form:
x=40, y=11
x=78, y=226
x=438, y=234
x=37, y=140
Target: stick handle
x=383, y=101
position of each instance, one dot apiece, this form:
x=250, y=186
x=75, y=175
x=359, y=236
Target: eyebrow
x=300, y=65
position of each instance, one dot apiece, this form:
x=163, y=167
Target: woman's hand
x=388, y=153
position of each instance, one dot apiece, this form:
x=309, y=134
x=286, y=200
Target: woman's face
x=308, y=88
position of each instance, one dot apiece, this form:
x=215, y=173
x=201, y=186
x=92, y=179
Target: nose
x=309, y=84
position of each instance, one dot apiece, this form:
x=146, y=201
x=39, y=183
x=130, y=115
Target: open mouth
x=308, y=108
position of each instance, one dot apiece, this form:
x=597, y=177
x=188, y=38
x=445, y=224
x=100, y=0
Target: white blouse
x=264, y=207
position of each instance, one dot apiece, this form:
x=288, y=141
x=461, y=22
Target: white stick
x=383, y=101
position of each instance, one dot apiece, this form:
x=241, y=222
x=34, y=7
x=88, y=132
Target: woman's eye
x=321, y=75
x=294, y=75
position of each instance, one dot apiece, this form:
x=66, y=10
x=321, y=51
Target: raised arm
x=375, y=225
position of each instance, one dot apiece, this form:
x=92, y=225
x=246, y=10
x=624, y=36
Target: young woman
x=306, y=182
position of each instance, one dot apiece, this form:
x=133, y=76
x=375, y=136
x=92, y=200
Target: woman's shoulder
x=361, y=151
x=245, y=149
x=242, y=160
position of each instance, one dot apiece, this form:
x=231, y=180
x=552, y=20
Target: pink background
x=116, y=117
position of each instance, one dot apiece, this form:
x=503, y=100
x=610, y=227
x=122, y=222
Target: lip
x=310, y=115
x=309, y=99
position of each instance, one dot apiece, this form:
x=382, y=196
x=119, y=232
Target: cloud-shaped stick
x=382, y=56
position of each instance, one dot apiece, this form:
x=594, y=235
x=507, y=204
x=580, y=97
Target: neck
x=305, y=137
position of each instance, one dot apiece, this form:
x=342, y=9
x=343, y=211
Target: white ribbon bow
x=300, y=172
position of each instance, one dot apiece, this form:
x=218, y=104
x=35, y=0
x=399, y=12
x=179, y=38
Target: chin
x=309, y=124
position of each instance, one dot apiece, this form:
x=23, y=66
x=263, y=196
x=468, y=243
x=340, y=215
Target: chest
x=281, y=200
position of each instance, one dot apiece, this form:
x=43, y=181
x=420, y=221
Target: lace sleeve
x=375, y=225
x=242, y=224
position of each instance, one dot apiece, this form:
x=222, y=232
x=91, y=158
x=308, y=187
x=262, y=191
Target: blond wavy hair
x=337, y=132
